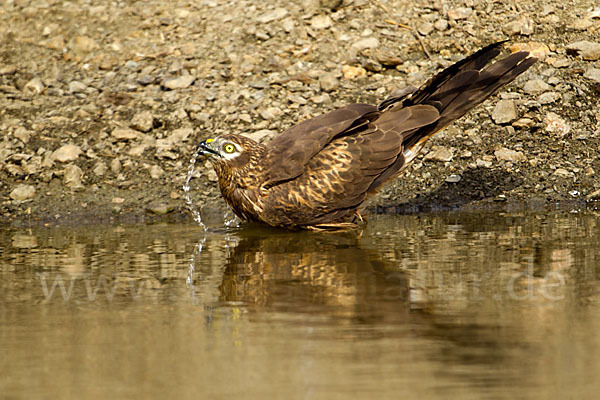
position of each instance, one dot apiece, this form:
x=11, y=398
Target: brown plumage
x=319, y=172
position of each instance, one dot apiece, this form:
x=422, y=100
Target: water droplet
x=186, y=190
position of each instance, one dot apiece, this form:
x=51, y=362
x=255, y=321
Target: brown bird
x=317, y=174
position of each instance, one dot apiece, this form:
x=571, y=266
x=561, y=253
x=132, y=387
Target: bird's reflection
x=312, y=272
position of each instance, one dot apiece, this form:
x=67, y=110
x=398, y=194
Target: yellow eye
x=229, y=148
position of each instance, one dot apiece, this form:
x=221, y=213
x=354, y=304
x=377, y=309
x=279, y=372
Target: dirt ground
x=103, y=102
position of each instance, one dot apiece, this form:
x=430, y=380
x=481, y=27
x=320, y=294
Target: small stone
x=460, y=13
x=439, y=153
x=320, y=22
x=536, y=86
x=441, y=24
x=181, y=82
x=8, y=70
x=156, y=172
x=22, y=134
x=124, y=134
x=592, y=74
x=555, y=125
x=589, y=51
x=138, y=150
x=72, y=176
x=537, y=49
x=331, y=4
x=328, y=82
x=159, y=208
x=272, y=15
x=563, y=173
x=351, y=72
x=425, y=28
x=115, y=166
x=504, y=154
x=180, y=135
x=100, y=168
x=261, y=135
x=523, y=123
x=504, y=112
x=454, y=178
x=68, y=152
x=483, y=163
x=83, y=44
x=582, y=24
x=77, y=87
x=288, y=25
x=521, y=26
x=22, y=192
x=142, y=121
x=366, y=43
x=34, y=86
x=548, y=97
x=118, y=200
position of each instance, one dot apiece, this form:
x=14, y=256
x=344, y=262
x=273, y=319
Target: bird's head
x=234, y=157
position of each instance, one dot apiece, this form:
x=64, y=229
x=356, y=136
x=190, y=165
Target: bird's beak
x=206, y=148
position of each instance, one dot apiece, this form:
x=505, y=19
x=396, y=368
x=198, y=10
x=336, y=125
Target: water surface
x=433, y=306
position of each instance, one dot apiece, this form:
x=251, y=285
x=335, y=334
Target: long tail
x=461, y=87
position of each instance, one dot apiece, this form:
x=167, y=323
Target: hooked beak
x=206, y=148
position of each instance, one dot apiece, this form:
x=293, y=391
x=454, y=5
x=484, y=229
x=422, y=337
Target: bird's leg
x=359, y=217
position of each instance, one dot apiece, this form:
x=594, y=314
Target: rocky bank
x=102, y=103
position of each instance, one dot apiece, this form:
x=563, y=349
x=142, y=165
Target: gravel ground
x=102, y=103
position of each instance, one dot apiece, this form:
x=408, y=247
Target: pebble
x=83, y=44
x=454, y=178
x=142, y=121
x=483, y=163
x=68, y=152
x=159, y=208
x=460, y=13
x=328, y=82
x=288, y=25
x=441, y=24
x=272, y=15
x=34, y=86
x=22, y=134
x=261, y=135
x=589, y=51
x=425, y=28
x=555, y=125
x=72, y=176
x=523, y=123
x=100, y=168
x=351, y=72
x=592, y=74
x=548, y=97
x=115, y=166
x=537, y=49
x=521, y=26
x=181, y=82
x=536, y=86
x=504, y=112
x=331, y=4
x=563, y=173
x=320, y=22
x=156, y=172
x=77, y=87
x=366, y=43
x=22, y=192
x=124, y=134
x=504, y=154
x=439, y=153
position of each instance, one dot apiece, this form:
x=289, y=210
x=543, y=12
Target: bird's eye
x=229, y=148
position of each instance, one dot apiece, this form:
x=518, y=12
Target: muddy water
x=422, y=306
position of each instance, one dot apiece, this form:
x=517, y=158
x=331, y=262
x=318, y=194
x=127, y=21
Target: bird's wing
x=289, y=152
x=338, y=178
